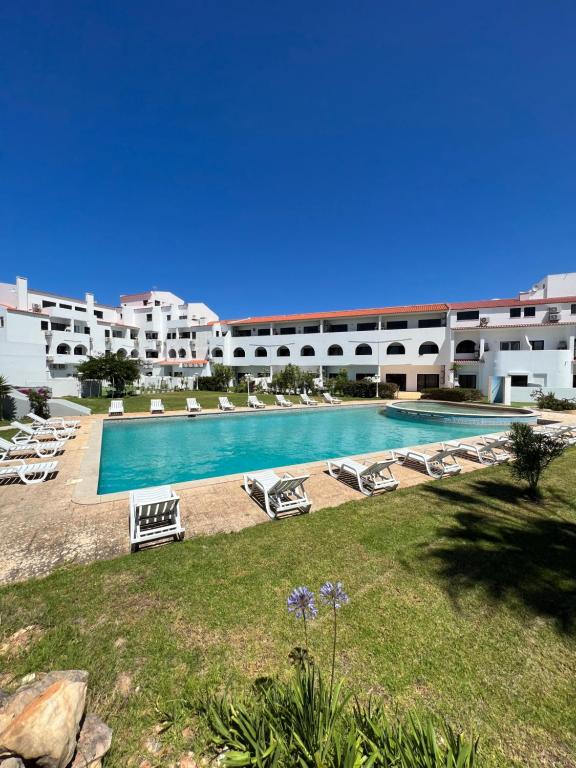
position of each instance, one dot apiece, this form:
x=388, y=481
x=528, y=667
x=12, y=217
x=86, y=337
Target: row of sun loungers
x=43, y=438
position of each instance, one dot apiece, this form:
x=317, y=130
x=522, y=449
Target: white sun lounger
x=55, y=421
x=278, y=494
x=225, y=405
x=436, y=464
x=116, y=408
x=192, y=405
x=330, y=399
x=565, y=431
x=282, y=402
x=156, y=406
x=30, y=474
x=254, y=402
x=376, y=476
x=307, y=400
x=489, y=452
x=27, y=431
x=154, y=514
x=42, y=448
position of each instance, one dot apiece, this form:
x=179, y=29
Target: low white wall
x=522, y=394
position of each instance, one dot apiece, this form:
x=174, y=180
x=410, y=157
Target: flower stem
x=333, y=654
x=305, y=631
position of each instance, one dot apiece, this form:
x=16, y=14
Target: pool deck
x=63, y=521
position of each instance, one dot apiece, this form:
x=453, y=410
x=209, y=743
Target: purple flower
x=301, y=603
x=333, y=594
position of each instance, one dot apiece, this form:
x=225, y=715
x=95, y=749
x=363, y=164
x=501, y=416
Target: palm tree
x=4, y=392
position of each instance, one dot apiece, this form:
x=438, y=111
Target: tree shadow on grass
x=517, y=551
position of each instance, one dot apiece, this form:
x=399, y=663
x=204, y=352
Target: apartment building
x=527, y=341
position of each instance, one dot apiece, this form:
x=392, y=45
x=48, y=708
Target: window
x=168, y=318
x=239, y=352
x=428, y=348
x=79, y=350
x=172, y=353
x=467, y=380
x=217, y=352
x=316, y=328
x=184, y=334
x=156, y=303
x=395, y=325
x=307, y=351
x=80, y=309
x=149, y=318
x=48, y=304
x=151, y=335
x=133, y=335
x=287, y=331
x=151, y=353
x=529, y=311
x=260, y=352
x=99, y=314
x=182, y=317
x=341, y=328
x=145, y=302
x=263, y=332
x=519, y=381
x=427, y=381
x=283, y=352
x=396, y=349
x=181, y=353
x=59, y=326
x=117, y=334
x=241, y=332
x=515, y=311
x=510, y=346
x=363, y=349
x=335, y=350
x=469, y=314
x=43, y=325
x=466, y=347
x=65, y=306
x=171, y=335
x=430, y=322
x=573, y=309
x=537, y=344
x=106, y=334
x=62, y=349
x=367, y=327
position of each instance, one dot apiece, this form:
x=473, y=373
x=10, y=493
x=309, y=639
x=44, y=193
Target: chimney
x=89, y=299
x=22, y=293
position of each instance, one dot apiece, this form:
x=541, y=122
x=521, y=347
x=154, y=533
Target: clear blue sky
x=287, y=156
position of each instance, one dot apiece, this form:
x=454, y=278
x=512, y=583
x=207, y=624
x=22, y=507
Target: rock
x=19, y=640
x=27, y=679
x=93, y=743
x=40, y=722
x=12, y=762
x=153, y=745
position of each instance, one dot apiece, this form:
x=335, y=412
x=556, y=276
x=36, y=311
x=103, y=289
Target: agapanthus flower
x=333, y=594
x=301, y=603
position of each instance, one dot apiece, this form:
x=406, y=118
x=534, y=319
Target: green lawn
x=175, y=401
x=463, y=601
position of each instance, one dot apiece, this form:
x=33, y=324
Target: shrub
x=533, y=452
x=454, y=395
x=549, y=401
x=209, y=384
x=38, y=399
x=367, y=388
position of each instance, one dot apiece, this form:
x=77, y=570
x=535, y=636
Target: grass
x=463, y=602
x=176, y=401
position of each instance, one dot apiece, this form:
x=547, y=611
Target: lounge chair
x=192, y=405
x=225, y=405
x=55, y=421
x=42, y=448
x=307, y=400
x=27, y=432
x=436, y=464
x=282, y=402
x=30, y=474
x=330, y=399
x=116, y=408
x=156, y=406
x=254, y=402
x=489, y=452
x=565, y=431
x=376, y=476
x=278, y=494
x=154, y=514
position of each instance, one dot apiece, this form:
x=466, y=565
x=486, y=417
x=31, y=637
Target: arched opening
x=307, y=351
x=466, y=347
x=79, y=350
x=239, y=352
x=428, y=348
x=335, y=350
x=217, y=352
x=283, y=352
x=121, y=353
x=134, y=353
x=363, y=349
x=172, y=353
x=62, y=349
x=260, y=352
x=181, y=353
x=396, y=349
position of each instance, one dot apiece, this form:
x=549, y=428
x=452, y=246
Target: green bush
x=454, y=395
x=533, y=452
x=367, y=388
x=552, y=403
x=209, y=384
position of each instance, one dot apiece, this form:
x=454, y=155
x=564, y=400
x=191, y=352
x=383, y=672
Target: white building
x=528, y=341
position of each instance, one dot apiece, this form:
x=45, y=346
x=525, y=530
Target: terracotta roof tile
x=135, y=296
x=488, y=303
x=341, y=314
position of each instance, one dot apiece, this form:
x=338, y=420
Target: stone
x=12, y=762
x=19, y=640
x=40, y=722
x=93, y=743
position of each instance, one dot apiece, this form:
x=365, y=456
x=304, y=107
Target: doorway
x=397, y=378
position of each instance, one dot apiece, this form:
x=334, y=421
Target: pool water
x=137, y=453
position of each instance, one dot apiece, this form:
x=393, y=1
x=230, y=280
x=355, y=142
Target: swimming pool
x=435, y=411
x=137, y=453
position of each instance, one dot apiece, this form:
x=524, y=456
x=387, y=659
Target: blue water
x=143, y=452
